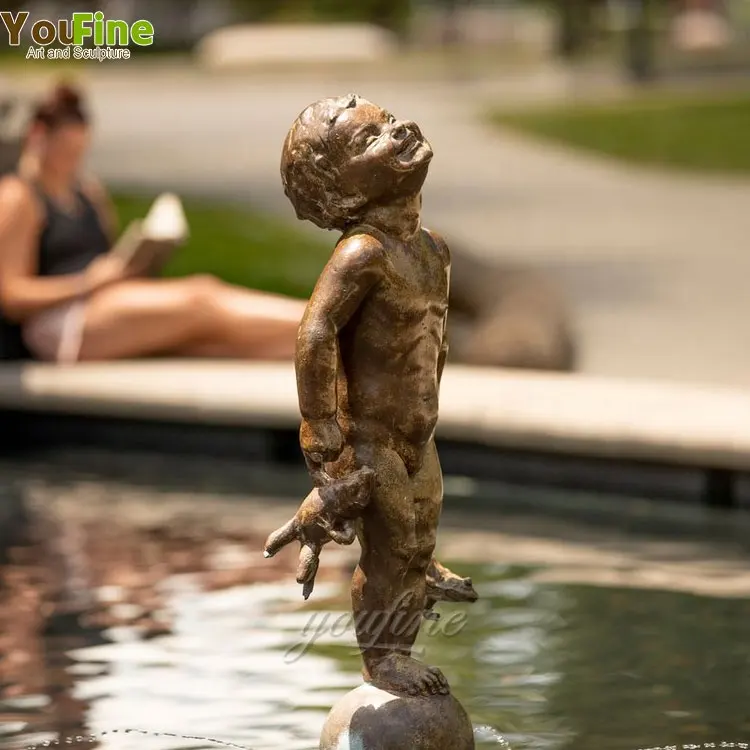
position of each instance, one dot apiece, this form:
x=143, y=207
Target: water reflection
x=37, y=630
x=128, y=606
x=109, y=624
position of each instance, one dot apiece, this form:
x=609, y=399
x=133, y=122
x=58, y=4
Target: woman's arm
x=22, y=292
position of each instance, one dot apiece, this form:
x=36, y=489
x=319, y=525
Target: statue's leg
x=388, y=589
x=427, y=486
x=442, y=583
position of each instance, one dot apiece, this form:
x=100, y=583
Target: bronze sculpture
x=370, y=355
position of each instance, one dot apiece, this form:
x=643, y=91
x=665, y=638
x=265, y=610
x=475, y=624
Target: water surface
x=134, y=596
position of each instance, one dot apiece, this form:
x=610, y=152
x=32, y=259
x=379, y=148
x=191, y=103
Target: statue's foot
x=398, y=673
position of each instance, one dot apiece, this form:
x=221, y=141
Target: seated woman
x=75, y=302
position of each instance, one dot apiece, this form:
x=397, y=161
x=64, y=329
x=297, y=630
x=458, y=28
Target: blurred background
x=594, y=152
x=591, y=176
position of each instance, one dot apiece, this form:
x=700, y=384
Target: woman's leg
x=192, y=316
x=266, y=323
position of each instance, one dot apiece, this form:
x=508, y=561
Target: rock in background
x=506, y=316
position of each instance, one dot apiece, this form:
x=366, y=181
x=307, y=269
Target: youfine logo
x=83, y=36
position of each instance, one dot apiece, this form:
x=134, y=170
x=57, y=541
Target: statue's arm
x=353, y=270
x=442, y=357
x=442, y=246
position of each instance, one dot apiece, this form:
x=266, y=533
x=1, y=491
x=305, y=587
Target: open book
x=147, y=244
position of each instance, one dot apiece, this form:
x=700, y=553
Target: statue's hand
x=321, y=442
x=309, y=553
x=312, y=536
x=327, y=514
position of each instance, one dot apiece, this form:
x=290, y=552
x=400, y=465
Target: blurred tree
x=578, y=30
x=256, y=10
x=571, y=36
x=639, y=50
x=451, y=28
x=391, y=14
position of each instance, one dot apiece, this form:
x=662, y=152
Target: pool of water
x=133, y=596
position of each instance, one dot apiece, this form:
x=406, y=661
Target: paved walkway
x=657, y=266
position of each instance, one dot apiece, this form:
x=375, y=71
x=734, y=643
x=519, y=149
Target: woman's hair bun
x=66, y=96
x=64, y=104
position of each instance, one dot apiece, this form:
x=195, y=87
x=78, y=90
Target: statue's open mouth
x=412, y=148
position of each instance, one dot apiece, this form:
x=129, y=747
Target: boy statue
x=370, y=355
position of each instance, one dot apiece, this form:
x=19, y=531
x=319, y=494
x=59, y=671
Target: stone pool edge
x=700, y=427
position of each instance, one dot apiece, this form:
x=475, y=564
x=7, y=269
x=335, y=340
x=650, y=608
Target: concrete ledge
x=567, y=414
x=260, y=44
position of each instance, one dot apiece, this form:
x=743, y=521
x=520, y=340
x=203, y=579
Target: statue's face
x=376, y=154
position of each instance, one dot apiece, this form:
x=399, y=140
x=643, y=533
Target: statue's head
x=344, y=155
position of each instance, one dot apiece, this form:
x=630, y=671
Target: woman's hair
x=62, y=106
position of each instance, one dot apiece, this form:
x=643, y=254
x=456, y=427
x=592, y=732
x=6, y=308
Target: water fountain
x=370, y=357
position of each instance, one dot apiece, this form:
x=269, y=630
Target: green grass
x=708, y=134
x=240, y=246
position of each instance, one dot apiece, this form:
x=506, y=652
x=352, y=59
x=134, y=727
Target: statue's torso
x=390, y=349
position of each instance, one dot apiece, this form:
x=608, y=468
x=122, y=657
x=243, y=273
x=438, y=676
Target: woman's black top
x=70, y=240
